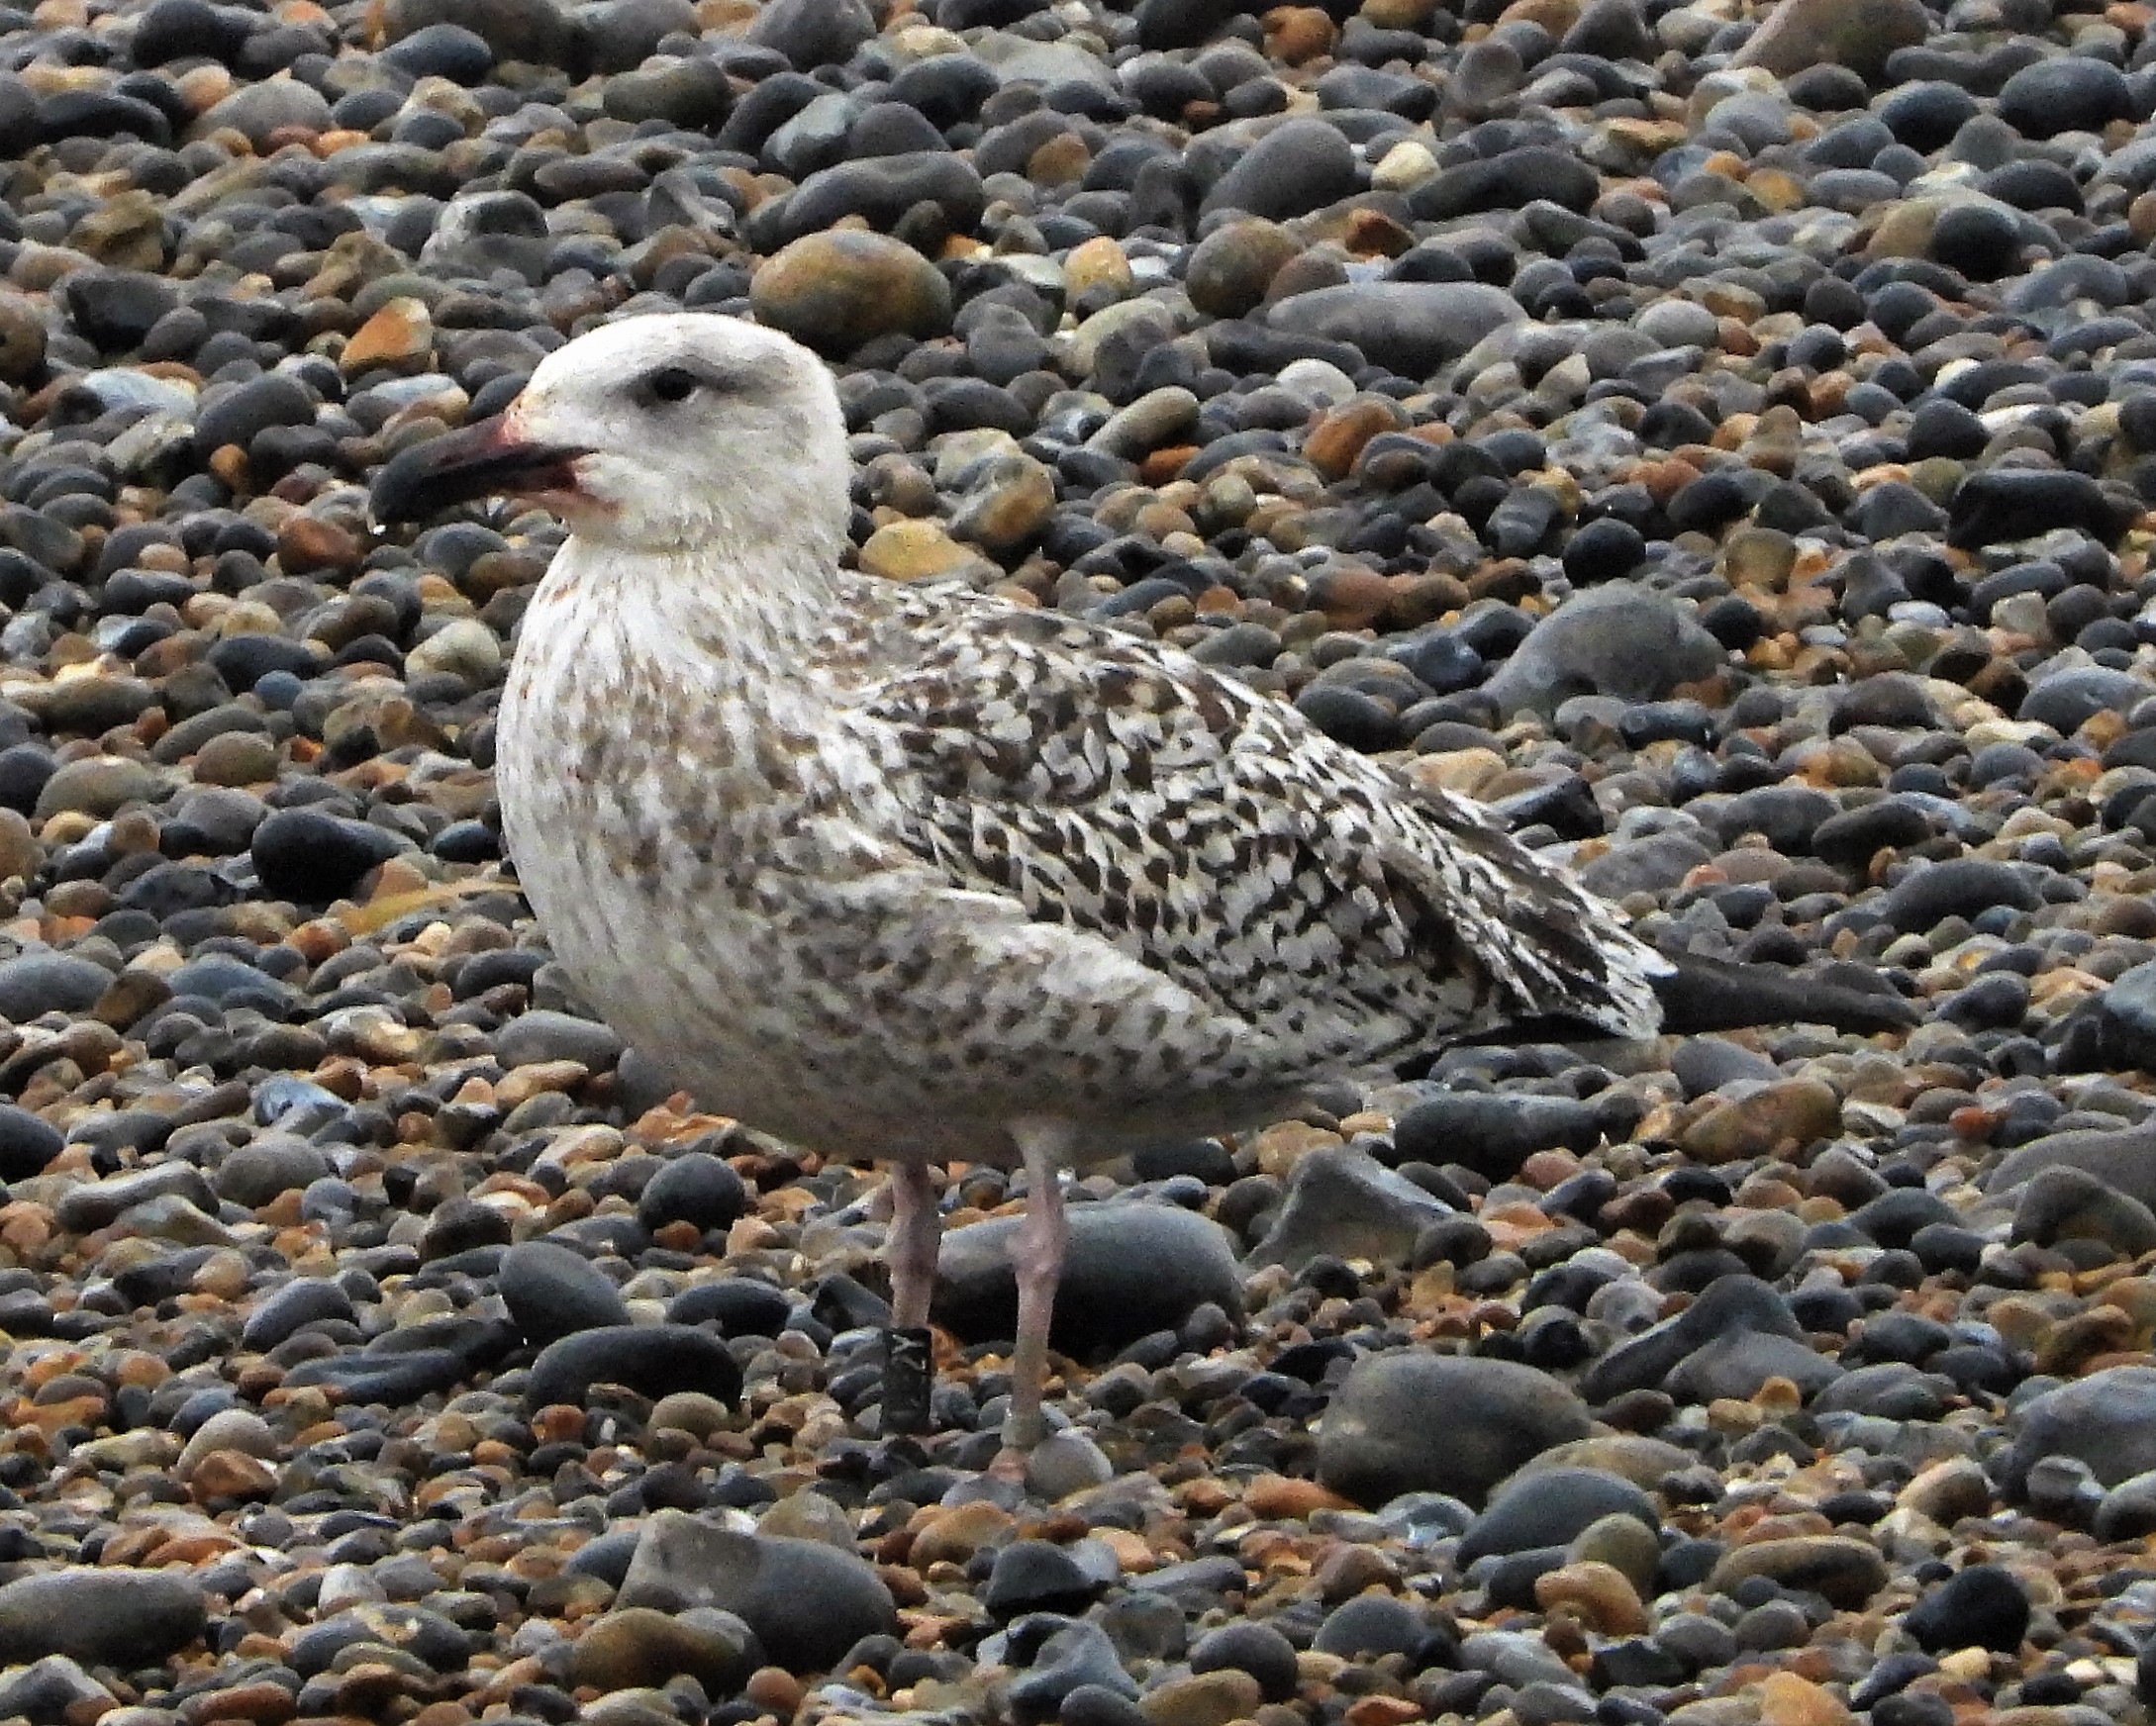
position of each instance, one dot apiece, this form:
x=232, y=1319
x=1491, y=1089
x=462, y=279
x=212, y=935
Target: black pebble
x=1249, y=1647
x=27, y=1143
x=1981, y=1606
x=696, y=1188
x=653, y=1360
x=311, y=858
x=1349, y=717
x=1980, y=240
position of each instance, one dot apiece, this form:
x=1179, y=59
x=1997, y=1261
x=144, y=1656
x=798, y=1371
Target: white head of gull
x=916, y=874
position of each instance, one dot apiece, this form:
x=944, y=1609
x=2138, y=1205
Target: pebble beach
x=1720, y=437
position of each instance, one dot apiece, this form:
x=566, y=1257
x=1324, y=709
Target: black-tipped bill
x=482, y=460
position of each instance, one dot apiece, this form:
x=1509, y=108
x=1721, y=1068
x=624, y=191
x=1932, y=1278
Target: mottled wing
x=1220, y=839
x=1557, y=950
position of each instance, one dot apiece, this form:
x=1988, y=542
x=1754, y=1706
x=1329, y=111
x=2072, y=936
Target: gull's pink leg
x=915, y=1232
x=909, y=1359
x=1037, y=1258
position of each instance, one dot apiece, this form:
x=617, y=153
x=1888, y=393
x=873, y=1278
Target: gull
x=913, y=874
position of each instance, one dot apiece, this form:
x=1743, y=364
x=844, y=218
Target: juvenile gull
x=908, y=873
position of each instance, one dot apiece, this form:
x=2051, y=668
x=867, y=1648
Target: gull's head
x=653, y=433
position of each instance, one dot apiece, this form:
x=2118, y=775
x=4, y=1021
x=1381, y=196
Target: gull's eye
x=671, y=383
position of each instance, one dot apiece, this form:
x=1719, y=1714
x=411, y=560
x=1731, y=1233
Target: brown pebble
x=1061, y=161
x=307, y=546
x=1847, y=1571
x=1785, y=1699
x=1297, y=34
x=1351, y=598
x=1339, y=436
x=1599, y=1593
x=1947, y=1491
x=1164, y=464
x=400, y=338
x=1383, y=1711
x=265, y=1704
x=1280, y=1498
x=236, y=758
x=774, y=1688
x=1778, y=1118
x=1373, y=233
x=370, y=1689
x=956, y=1534
x=840, y=288
x=1230, y=271
x=636, y=1647
x=1350, y=1570
x=1203, y=1699
x=228, y=1475
x=22, y=338
x=20, y=853
x=913, y=551
x=1098, y=263
x=558, y=1423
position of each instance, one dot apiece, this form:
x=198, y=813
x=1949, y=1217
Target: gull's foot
x=1021, y=1432
x=908, y=1377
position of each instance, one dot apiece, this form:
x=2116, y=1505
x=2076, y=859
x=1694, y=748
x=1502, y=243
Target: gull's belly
x=750, y=1010
x=775, y=1008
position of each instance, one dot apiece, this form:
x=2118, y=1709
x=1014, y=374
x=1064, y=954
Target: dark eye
x=671, y=383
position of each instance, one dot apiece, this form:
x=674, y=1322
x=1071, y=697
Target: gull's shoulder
x=1014, y=689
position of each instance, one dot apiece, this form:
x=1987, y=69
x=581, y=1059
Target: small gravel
x=1718, y=434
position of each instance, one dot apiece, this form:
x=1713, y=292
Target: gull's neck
x=758, y=606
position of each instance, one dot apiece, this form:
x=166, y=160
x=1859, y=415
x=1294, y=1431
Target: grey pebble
x=681, y=1562
x=99, y=1617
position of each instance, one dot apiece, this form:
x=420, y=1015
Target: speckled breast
x=649, y=851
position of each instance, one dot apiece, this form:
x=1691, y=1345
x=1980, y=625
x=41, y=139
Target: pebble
x=1202, y=1699
x=309, y=856
x=836, y=290
x=681, y=1562
x=638, y=1647
x=1070, y=1660
x=33, y=984
x=1438, y=1423
x=1493, y=1134
x=1293, y=170
x=1618, y=640
x=653, y=1360
x=101, y=1617
x=1982, y=1606
x=1343, y=1204
x=2102, y=1420
x=1257, y=1649
x=694, y=1188
x=1551, y=1507
x=255, y=1175
x=1845, y=1571
x=2070, y=1204
x=552, y=1291
x=28, y=1145
x=1408, y=326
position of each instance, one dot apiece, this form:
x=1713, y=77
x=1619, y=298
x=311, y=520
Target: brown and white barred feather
x=1219, y=839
